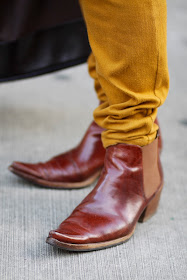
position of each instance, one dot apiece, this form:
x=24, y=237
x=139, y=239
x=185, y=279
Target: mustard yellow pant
x=129, y=66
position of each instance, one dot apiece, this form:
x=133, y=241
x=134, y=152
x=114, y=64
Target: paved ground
x=44, y=116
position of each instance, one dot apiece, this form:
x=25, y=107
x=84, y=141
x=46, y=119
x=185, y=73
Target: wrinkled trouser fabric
x=129, y=65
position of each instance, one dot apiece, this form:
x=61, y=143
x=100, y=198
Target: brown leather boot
x=128, y=191
x=76, y=168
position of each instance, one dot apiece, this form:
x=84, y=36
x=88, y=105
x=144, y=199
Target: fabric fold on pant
x=128, y=41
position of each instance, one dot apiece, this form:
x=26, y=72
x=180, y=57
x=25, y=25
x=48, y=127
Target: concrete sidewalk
x=43, y=116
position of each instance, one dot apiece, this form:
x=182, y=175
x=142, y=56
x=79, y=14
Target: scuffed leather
x=112, y=209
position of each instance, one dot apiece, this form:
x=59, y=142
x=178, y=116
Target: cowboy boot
x=76, y=168
x=128, y=191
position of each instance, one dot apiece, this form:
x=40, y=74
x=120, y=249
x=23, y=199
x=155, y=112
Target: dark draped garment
x=40, y=36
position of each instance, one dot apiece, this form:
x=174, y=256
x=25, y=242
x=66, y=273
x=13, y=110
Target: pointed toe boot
x=128, y=191
x=76, y=168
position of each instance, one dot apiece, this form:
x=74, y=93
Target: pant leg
x=92, y=71
x=128, y=40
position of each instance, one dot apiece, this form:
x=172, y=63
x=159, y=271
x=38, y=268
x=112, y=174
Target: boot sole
x=146, y=214
x=88, y=247
x=55, y=185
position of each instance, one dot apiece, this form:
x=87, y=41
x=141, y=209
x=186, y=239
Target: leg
x=92, y=71
x=128, y=39
x=130, y=86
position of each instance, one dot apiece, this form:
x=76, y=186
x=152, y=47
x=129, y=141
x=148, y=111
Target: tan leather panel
x=152, y=178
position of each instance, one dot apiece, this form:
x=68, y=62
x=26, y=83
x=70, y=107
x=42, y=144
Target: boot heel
x=151, y=208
